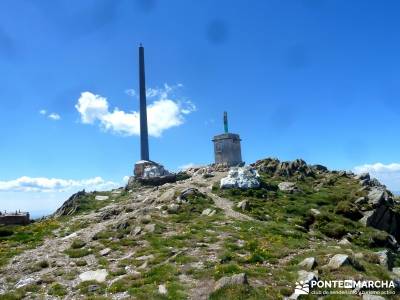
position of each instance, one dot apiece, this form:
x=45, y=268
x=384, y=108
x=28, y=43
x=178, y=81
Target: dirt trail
x=141, y=202
x=204, y=186
x=226, y=206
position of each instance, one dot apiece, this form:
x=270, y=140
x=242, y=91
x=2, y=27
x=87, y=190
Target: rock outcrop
x=158, y=239
x=189, y=192
x=242, y=178
x=298, y=168
x=385, y=258
x=71, y=205
x=382, y=213
x=238, y=279
x=385, y=218
x=97, y=275
x=289, y=187
x=376, y=207
x=338, y=261
x=306, y=276
x=308, y=263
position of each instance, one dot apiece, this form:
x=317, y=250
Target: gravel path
x=143, y=201
x=226, y=206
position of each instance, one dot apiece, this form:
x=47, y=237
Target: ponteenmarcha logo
x=302, y=288
x=348, y=286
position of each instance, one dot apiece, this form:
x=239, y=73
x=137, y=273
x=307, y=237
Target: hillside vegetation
x=177, y=241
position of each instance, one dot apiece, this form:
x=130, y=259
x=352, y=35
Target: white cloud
x=187, y=166
x=130, y=92
x=54, y=116
x=152, y=92
x=42, y=184
x=162, y=114
x=379, y=168
x=163, y=92
x=388, y=174
x=91, y=107
x=190, y=107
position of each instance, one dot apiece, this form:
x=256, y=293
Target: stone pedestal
x=141, y=165
x=148, y=172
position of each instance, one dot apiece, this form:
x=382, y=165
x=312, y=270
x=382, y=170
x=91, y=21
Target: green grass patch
x=57, y=289
x=76, y=253
x=77, y=244
x=16, y=239
x=146, y=287
x=241, y=292
x=226, y=270
x=194, y=207
x=21, y=293
x=91, y=288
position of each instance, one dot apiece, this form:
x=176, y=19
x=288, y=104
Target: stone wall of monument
x=227, y=149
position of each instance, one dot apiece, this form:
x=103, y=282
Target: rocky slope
x=193, y=240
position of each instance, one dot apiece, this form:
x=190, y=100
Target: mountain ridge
x=193, y=239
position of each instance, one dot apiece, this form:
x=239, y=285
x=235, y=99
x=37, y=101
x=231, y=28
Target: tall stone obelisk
x=144, y=138
x=145, y=171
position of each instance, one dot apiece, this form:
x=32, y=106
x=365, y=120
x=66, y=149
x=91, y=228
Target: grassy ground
x=16, y=239
x=187, y=246
x=286, y=228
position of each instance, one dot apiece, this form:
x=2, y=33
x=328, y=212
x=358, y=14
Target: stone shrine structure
x=227, y=148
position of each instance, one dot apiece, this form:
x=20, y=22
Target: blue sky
x=312, y=79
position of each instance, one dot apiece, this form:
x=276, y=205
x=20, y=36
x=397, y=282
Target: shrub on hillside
x=348, y=210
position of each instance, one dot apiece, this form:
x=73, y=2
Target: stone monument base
x=147, y=172
x=141, y=165
x=158, y=180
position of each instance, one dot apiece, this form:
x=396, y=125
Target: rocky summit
x=212, y=233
